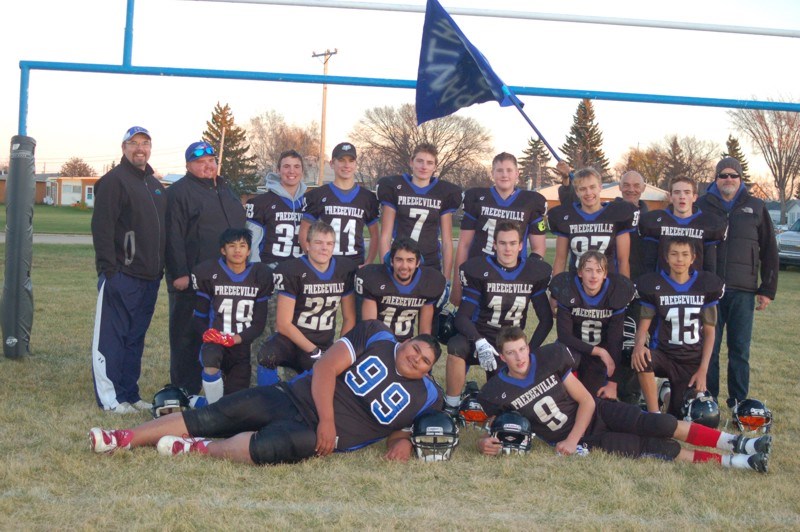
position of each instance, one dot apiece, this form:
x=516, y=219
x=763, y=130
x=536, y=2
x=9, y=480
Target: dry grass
x=50, y=480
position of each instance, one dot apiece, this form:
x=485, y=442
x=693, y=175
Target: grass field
x=58, y=220
x=50, y=480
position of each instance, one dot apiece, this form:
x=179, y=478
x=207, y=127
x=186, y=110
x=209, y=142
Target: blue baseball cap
x=197, y=150
x=135, y=130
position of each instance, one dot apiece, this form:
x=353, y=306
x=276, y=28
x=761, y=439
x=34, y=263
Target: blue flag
x=452, y=72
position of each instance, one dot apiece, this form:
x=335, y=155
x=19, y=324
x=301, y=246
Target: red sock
x=702, y=436
x=704, y=456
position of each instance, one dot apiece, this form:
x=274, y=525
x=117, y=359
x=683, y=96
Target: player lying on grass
x=366, y=387
x=542, y=388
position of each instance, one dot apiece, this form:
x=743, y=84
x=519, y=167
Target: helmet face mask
x=434, y=436
x=751, y=415
x=168, y=400
x=514, y=432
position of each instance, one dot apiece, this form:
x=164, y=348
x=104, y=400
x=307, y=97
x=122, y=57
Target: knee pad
x=460, y=347
x=283, y=442
x=211, y=355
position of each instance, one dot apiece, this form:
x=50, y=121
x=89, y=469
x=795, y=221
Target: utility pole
x=221, y=151
x=326, y=55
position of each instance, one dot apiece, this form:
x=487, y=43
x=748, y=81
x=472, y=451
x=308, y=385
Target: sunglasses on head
x=727, y=176
x=203, y=150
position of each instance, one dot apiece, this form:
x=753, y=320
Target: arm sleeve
x=464, y=323
x=107, y=208
x=541, y=305
x=614, y=340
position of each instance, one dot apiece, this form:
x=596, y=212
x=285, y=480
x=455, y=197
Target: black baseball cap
x=342, y=149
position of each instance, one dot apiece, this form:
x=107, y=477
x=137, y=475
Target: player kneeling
x=542, y=388
x=365, y=388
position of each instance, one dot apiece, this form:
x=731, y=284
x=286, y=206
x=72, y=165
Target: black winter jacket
x=750, y=245
x=128, y=222
x=197, y=214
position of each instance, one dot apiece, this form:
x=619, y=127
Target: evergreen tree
x=674, y=162
x=533, y=163
x=584, y=145
x=735, y=150
x=235, y=164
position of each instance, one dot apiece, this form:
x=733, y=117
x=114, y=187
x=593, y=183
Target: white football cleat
x=175, y=445
x=124, y=408
x=143, y=406
x=108, y=441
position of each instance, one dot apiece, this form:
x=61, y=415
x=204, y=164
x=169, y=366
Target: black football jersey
x=399, y=305
x=703, y=229
x=317, y=294
x=347, y=211
x=596, y=231
x=678, y=309
x=541, y=397
x=483, y=208
x=418, y=211
x=501, y=296
x=229, y=301
x=589, y=316
x=275, y=223
x=370, y=400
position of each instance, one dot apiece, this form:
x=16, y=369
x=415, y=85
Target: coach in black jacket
x=200, y=206
x=749, y=248
x=128, y=234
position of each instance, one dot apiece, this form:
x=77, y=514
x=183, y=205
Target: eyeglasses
x=135, y=144
x=727, y=176
x=207, y=150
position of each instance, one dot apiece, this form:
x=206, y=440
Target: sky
x=85, y=115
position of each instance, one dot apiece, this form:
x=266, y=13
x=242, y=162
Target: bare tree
x=77, y=167
x=270, y=135
x=700, y=157
x=776, y=135
x=675, y=156
x=650, y=162
x=390, y=135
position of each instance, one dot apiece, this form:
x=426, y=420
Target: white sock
x=213, y=387
x=726, y=441
x=452, y=400
x=738, y=461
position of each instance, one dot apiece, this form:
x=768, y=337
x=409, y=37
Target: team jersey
x=399, y=305
x=501, y=296
x=275, y=223
x=418, y=211
x=541, y=397
x=593, y=231
x=704, y=229
x=679, y=310
x=370, y=400
x=232, y=303
x=483, y=208
x=317, y=295
x=347, y=211
x=583, y=321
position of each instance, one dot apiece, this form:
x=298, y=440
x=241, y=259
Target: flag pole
x=518, y=105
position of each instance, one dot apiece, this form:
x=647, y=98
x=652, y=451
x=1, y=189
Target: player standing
x=591, y=224
x=485, y=207
x=403, y=294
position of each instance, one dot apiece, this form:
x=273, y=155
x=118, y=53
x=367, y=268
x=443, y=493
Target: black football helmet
x=434, y=436
x=700, y=408
x=447, y=325
x=752, y=415
x=169, y=399
x=514, y=432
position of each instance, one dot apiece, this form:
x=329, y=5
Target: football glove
x=213, y=336
x=486, y=355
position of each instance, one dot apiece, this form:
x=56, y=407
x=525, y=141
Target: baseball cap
x=135, y=130
x=342, y=149
x=197, y=150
